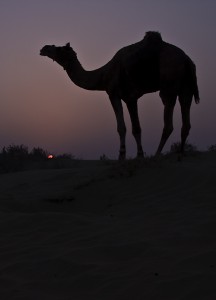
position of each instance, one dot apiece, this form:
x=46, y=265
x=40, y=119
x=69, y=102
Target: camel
x=147, y=66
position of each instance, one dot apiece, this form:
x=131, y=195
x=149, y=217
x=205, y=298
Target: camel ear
x=68, y=45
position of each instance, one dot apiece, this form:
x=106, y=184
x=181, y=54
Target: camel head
x=59, y=54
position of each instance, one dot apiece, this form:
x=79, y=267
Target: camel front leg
x=121, y=128
x=136, y=129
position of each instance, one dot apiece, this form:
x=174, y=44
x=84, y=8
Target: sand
x=103, y=230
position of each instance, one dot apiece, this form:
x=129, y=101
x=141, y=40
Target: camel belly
x=136, y=85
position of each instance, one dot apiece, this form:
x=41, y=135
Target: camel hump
x=140, y=61
x=151, y=43
x=153, y=37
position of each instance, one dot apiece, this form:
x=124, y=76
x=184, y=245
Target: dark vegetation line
x=18, y=157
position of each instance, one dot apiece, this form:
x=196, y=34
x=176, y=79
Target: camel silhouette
x=147, y=66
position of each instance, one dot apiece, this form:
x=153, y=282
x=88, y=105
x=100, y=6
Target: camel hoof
x=122, y=156
x=140, y=156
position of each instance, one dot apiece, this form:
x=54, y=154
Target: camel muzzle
x=42, y=53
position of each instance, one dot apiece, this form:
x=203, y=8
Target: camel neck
x=89, y=80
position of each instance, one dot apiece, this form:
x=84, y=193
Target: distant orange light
x=50, y=156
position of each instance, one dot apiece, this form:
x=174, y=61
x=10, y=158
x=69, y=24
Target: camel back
x=141, y=63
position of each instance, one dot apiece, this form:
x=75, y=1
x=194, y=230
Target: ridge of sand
x=108, y=231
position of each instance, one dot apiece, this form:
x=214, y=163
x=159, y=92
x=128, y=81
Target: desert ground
x=108, y=230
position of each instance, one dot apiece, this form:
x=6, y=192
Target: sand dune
x=110, y=231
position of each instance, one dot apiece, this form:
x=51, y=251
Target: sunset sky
x=40, y=106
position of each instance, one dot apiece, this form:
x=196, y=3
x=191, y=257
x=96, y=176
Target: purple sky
x=41, y=107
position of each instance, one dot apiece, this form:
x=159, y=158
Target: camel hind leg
x=136, y=129
x=169, y=102
x=185, y=103
x=121, y=128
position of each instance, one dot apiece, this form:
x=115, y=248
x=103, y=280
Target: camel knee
x=167, y=132
x=185, y=131
x=136, y=131
x=121, y=131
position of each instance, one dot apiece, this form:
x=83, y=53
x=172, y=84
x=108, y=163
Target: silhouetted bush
x=175, y=148
x=13, y=158
x=18, y=158
x=212, y=148
x=38, y=154
x=15, y=151
x=103, y=157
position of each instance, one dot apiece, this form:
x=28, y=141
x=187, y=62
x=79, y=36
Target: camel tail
x=194, y=82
